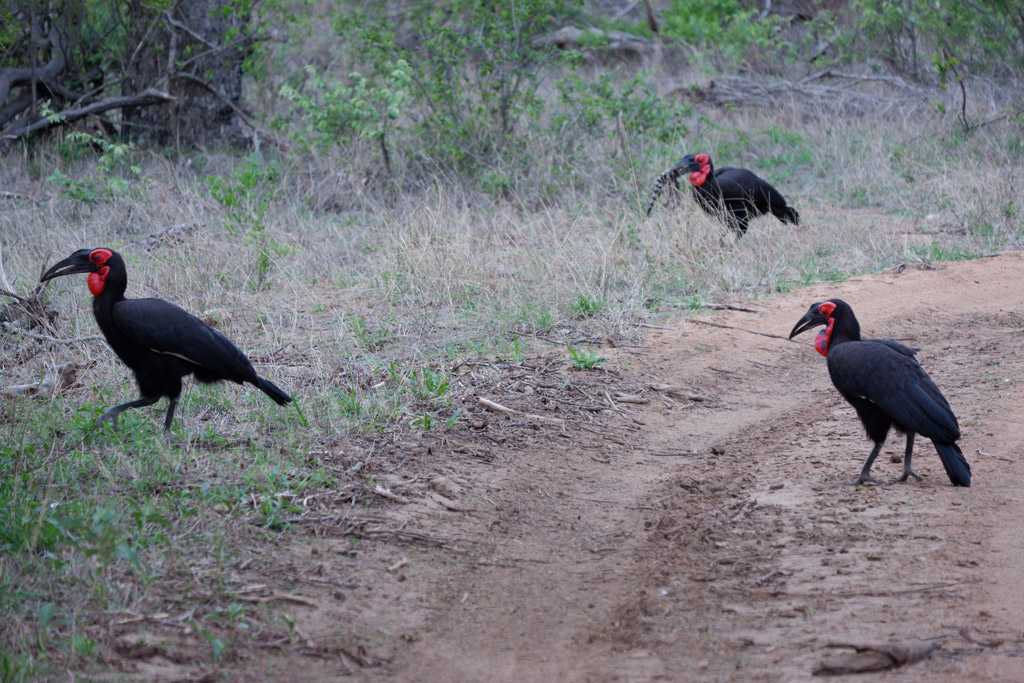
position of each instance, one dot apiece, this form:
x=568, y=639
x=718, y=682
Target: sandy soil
x=703, y=533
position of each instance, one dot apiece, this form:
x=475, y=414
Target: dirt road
x=705, y=534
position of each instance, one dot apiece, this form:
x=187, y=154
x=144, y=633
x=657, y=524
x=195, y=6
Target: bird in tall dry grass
x=160, y=342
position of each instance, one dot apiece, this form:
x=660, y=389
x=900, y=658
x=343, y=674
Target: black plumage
x=735, y=195
x=159, y=341
x=888, y=389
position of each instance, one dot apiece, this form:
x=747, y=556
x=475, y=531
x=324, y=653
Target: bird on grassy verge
x=735, y=195
x=160, y=342
x=886, y=386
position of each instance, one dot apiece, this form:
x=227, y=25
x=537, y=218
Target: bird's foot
x=173, y=441
x=863, y=479
x=906, y=473
x=109, y=417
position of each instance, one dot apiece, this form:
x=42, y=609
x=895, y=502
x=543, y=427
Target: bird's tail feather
x=271, y=390
x=953, y=460
x=789, y=215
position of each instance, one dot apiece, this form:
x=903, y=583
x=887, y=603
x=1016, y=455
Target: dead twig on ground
x=54, y=381
x=731, y=327
x=997, y=457
x=876, y=657
x=678, y=392
x=497, y=407
x=987, y=642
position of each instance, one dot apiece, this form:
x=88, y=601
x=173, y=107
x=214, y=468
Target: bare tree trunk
x=194, y=51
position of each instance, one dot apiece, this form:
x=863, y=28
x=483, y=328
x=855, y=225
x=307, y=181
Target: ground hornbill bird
x=733, y=194
x=885, y=385
x=160, y=342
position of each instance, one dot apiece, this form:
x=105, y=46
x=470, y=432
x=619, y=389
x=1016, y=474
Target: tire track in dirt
x=725, y=542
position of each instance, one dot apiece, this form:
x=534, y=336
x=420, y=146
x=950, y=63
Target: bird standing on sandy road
x=886, y=386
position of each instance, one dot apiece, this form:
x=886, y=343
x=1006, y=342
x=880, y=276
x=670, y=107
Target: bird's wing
x=739, y=182
x=891, y=379
x=162, y=327
x=896, y=346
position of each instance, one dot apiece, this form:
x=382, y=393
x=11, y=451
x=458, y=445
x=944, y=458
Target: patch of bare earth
x=705, y=534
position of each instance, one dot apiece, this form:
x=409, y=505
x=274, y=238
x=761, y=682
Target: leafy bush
x=721, y=24
x=983, y=36
x=335, y=113
x=472, y=68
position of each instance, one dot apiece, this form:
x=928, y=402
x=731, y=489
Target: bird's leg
x=865, y=473
x=112, y=414
x=907, y=472
x=172, y=403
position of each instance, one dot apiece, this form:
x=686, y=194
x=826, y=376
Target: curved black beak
x=76, y=263
x=810, y=320
x=687, y=164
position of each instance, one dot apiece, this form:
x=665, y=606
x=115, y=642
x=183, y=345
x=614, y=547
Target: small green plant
x=585, y=306
x=274, y=511
x=583, y=359
x=368, y=338
x=429, y=385
x=424, y=421
x=217, y=646
x=115, y=163
x=517, y=354
x=245, y=195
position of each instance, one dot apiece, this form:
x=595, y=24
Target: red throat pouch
x=823, y=338
x=97, y=280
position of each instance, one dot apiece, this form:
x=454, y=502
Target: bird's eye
x=701, y=159
x=826, y=308
x=95, y=257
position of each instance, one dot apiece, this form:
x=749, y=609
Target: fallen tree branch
x=54, y=381
x=143, y=99
x=11, y=327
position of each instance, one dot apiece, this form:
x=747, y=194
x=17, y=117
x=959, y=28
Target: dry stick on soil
x=729, y=307
x=654, y=327
x=730, y=327
x=283, y=597
x=54, y=381
x=997, y=457
x=393, y=497
x=491, y=405
x=988, y=642
x=676, y=391
x=876, y=657
x=398, y=565
x=47, y=338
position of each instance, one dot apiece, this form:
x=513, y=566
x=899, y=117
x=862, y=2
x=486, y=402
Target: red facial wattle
x=697, y=178
x=821, y=342
x=97, y=280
